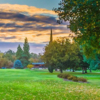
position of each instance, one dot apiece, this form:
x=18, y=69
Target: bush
x=18, y=64
x=70, y=77
x=60, y=75
x=30, y=66
x=65, y=76
x=75, y=79
x=82, y=79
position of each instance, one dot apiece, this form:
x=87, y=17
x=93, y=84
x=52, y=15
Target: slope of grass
x=40, y=85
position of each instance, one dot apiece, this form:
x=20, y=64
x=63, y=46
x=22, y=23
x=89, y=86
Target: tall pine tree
x=26, y=55
x=19, y=53
x=51, y=38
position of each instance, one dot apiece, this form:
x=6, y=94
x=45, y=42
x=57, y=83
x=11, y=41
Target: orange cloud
x=20, y=21
x=24, y=9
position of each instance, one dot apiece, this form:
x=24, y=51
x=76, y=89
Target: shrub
x=70, y=77
x=82, y=79
x=60, y=75
x=65, y=76
x=18, y=64
x=30, y=66
x=75, y=79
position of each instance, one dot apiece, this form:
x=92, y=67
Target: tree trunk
x=85, y=70
x=82, y=70
x=61, y=70
x=73, y=70
x=70, y=69
x=90, y=70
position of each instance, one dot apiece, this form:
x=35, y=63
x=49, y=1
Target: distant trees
x=7, y=59
x=35, y=58
x=10, y=55
x=23, y=55
x=19, y=52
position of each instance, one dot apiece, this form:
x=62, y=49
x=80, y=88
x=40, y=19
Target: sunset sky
x=29, y=18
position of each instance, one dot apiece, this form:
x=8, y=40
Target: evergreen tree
x=26, y=55
x=51, y=39
x=19, y=53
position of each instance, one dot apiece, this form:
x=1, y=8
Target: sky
x=32, y=19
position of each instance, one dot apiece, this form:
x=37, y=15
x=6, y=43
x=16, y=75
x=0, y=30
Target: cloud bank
x=20, y=21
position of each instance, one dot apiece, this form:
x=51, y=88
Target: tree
x=3, y=62
x=84, y=18
x=93, y=63
x=61, y=54
x=19, y=53
x=10, y=55
x=51, y=38
x=18, y=64
x=26, y=54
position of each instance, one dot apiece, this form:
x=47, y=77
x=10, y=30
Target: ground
x=26, y=84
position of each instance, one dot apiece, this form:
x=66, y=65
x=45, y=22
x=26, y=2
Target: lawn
x=28, y=84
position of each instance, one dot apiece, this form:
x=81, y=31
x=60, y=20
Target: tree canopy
x=61, y=54
x=84, y=18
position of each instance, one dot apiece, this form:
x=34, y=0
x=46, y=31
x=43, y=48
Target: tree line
x=62, y=54
x=8, y=58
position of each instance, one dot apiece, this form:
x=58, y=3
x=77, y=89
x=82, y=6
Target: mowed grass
x=28, y=84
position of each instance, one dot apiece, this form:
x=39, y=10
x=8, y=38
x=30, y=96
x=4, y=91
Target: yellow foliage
x=30, y=66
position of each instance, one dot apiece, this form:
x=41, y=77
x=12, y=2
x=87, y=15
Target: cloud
x=12, y=37
x=20, y=21
x=28, y=10
x=24, y=18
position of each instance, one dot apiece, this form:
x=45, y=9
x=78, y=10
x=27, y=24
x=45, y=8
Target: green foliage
x=35, y=58
x=19, y=53
x=84, y=18
x=62, y=54
x=10, y=55
x=7, y=59
x=94, y=63
x=26, y=55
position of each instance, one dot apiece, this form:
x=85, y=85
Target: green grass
x=41, y=85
